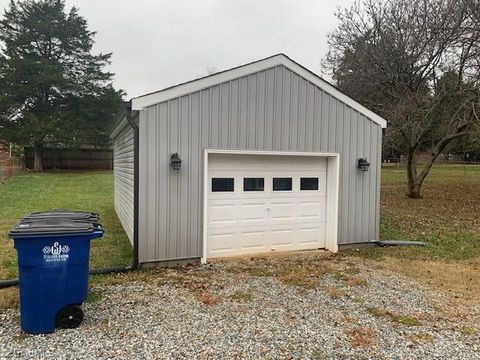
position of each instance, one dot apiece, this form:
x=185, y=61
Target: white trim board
x=140, y=102
x=333, y=186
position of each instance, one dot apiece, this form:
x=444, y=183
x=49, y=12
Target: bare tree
x=417, y=64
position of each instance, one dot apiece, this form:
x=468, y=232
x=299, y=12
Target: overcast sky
x=156, y=44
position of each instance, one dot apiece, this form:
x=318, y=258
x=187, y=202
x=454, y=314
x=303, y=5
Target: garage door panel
x=313, y=235
x=253, y=240
x=253, y=212
x=222, y=244
x=278, y=163
x=222, y=214
x=222, y=197
x=219, y=162
x=246, y=222
x=281, y=211
x=309, y=164
x=311, y=210
x=249, y=162
x=282, y=238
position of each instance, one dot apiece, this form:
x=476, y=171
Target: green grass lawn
x=89, y=191
x=447, y=218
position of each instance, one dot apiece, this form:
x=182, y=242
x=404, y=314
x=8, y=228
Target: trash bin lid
x=52, y=227
x=63, y=214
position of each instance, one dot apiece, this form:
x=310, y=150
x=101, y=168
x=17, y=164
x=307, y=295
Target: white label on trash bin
x=56, y=252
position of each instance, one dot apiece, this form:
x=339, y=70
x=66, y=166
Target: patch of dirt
x=362, y=337
x=458, y=279
x=8, y=298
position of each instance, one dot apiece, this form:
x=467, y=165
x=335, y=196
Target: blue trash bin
x=53, y=261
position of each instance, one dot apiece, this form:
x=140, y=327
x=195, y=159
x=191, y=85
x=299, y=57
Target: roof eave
x=150, y=99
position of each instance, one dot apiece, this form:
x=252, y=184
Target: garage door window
x=253, y=184
x=308, y=183
x=222, y=185
x=282, y=184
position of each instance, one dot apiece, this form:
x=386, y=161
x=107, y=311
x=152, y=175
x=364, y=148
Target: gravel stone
x=161, y=316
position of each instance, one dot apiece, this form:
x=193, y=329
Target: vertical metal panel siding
x=274, y=109
x=123, y=160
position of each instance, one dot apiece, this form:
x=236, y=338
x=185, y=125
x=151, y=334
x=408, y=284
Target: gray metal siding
x=123, y=171
x=275, y=109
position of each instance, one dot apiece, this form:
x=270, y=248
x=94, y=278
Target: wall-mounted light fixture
x=175, y=161
x=363, y=164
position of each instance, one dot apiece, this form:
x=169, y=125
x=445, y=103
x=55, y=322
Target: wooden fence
x=72, y=159
x=10, y=167
x=444, y=159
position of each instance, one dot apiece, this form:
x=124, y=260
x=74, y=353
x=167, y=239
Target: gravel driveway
x=307, y=307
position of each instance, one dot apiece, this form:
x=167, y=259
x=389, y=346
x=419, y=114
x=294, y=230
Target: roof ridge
x=279, y=59
x=208, y=76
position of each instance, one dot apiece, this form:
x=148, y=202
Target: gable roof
x=138, y=103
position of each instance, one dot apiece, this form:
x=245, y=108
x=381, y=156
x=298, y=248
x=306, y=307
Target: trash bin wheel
x=69, y=317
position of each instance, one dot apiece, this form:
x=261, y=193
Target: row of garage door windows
x=258, y=184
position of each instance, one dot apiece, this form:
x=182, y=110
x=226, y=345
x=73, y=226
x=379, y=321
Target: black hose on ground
x=102, y=271
x=8, y=283
x=385, y=243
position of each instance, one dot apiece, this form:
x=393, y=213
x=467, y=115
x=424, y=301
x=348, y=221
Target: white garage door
x=259, y=203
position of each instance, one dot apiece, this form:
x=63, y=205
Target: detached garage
x=260, y=158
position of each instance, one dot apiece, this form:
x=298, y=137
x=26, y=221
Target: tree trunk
x=413, y=187
x=415, y=182
x=414, y=191
x=38, y=159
